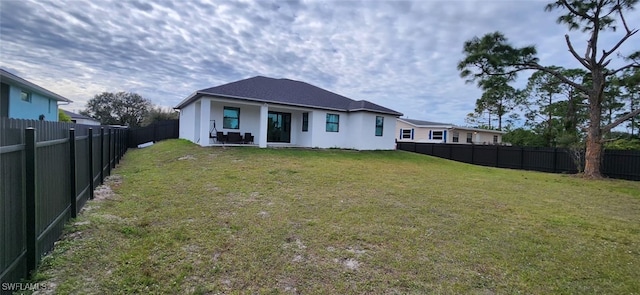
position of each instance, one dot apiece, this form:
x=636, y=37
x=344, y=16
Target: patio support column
x=264, y=114
x=205, y=116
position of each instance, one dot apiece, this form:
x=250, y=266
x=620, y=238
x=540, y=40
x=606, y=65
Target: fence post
x=91, y=176
x=30, y=190
x=472, y=153
x=155, y=132
x=113, y=149
x=72, y=168
x=101, y=155
x=555, y=159
x=497, y=155
x=108, y=151
x=118, y=149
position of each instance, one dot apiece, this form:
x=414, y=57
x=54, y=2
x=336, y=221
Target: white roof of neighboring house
x=429, y=124
x=7, y=76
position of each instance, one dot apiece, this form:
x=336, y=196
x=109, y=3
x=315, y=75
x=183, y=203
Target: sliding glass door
x=279, y=127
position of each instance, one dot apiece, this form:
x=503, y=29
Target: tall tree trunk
x=549, y=136
x=593, y=153
x=594, y=145
x=633, y=119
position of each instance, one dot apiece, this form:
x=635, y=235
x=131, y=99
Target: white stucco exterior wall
x=356, y=129
x=366, y=128
x=187, y=122
x=322, y=138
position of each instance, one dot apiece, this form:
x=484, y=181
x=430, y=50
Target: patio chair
x=220, y=137
x=248, y=138
x=234, y=137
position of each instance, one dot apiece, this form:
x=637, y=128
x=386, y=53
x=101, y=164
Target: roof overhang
x=479, y=130
x=13, y=79
x=443, y=125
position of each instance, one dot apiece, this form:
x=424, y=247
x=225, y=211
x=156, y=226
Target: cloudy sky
x=399, y=54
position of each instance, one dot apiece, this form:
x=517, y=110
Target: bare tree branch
x=624, y=22
x=619, y=121
x=605, y=54
x=610, y=73
x=588, y=51
x=583, y=61
x=534, y=66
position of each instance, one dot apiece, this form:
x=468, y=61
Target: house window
x=231, y=118
x=437, y=135
x=25, y=96
x=456, y=136
x=333, y=122
x=495, y=139
x=305, y=122
x=469, y=137
x=407, y=133
x=379, y=125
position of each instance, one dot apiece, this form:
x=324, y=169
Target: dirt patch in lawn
x=104, y=191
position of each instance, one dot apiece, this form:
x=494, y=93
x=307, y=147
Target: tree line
x=126, y=109
x=562, y=107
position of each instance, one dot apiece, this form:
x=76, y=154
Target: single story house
x=21, y=99
x=410, y=130
x=283, y=112
x=81, y=119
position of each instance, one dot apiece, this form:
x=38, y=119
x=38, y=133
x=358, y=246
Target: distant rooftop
x=425, y=123
x=77, y=116
x=421, y=123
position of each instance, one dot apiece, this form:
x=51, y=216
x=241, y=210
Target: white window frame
x=25, y=96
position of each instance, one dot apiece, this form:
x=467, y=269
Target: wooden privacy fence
x=616, y=163
x=157, y=131
x=48, y=170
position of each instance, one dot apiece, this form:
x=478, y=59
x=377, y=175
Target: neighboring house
x=81, y=119
x=21, y=99
x=288, y=113
x=424, y=131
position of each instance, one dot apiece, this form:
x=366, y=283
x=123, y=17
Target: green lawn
x=198, y=220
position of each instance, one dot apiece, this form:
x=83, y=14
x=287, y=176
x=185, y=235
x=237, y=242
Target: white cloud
x=399, y=54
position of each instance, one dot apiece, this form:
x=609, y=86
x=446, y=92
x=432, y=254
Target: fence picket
x=72, y=176
x=30, y=190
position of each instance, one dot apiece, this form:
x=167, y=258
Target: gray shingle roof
x=287, y=92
